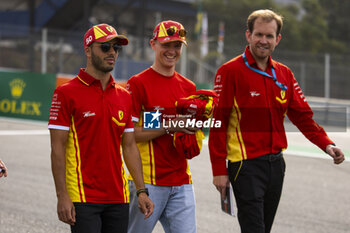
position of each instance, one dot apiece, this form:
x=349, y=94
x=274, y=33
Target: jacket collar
x=87, y=79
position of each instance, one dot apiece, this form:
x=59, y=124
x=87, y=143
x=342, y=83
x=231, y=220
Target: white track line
x=23, y=132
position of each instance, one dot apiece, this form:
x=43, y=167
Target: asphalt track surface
x=315, y=197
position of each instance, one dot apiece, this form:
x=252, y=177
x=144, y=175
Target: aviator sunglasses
x=171, y=31
x=105, y=47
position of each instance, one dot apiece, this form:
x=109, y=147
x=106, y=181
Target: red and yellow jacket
x=252, y=109
x=96, y=120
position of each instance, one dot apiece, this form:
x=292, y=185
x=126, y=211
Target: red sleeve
x=301, y=115
x=134, y=87
x=129, y=125
x=223, y=85
x=60, y=115
x=192, y=89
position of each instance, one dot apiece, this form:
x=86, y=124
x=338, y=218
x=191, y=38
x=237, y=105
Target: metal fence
x=57, y=51
x=321, y=75
x=21, y=49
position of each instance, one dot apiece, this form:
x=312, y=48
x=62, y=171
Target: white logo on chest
x=254, y=93
x=89, y=114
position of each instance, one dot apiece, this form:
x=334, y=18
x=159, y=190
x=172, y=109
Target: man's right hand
x=177, y=128
x=66, y=210
x=221, y=183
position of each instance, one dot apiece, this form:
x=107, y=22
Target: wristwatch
x=145, y=190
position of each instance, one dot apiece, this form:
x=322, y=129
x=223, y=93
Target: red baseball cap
x=168, y=31
x=103, y=33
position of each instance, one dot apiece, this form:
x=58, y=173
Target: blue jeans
x=174, y=207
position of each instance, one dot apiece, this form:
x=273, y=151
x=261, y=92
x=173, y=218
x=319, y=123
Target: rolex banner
x=26, y=95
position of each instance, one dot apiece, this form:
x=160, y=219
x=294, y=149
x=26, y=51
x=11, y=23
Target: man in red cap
x=166, y=173
x=90, y=119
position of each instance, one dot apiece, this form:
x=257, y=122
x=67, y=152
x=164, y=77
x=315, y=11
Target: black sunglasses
x=105, y=47
x=171, y=31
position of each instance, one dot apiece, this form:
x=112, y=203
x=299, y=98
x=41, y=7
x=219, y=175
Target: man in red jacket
x=255, y=93
x=166, y=172
x=90, y=122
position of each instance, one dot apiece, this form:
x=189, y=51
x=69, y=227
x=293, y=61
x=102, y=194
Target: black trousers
x=257, y=185
x=101, y=218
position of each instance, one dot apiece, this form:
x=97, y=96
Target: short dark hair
x=265, y=15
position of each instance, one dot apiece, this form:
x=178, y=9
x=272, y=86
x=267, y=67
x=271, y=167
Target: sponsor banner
x=26, y=95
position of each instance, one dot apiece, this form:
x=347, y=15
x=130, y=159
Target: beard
x=264, y=54
x=97, y=62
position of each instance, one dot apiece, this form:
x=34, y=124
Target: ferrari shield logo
x=282, y=100
x=121, y=115
x=283, y=94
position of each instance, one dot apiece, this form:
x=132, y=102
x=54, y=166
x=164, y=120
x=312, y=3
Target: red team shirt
x=151, y=91
x=96, y=121
x=252, y=109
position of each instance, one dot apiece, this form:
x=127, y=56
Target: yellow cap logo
x=110, y=29
x=99, y=32
x=17, y=86
x=162, y=31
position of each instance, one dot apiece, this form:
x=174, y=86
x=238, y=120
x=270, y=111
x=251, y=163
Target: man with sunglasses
x=166, y=172
x=90, y=119
x=255, y=94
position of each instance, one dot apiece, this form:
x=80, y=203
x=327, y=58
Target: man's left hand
x=3, y=171
x=146, y=205
x=335, y=153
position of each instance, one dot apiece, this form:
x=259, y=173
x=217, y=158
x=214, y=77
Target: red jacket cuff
x=219, y=168
x=324, y=142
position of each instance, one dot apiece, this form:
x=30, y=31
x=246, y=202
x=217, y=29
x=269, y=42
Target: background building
x=45, y=36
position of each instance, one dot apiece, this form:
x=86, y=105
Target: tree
x=234, y=14
x=291, y=31
x=316, y=26
x=338, y=19
x=313, y=26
